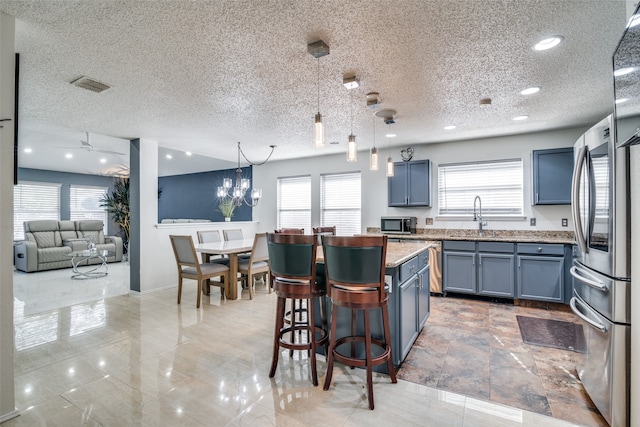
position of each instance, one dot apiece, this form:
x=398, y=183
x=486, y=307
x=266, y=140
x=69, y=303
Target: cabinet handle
x=537, y=198
x=539, y=249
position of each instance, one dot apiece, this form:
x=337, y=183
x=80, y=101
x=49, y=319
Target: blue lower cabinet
x=496, y=275
x=459, y=272
x=408, y=315
x=541, y=278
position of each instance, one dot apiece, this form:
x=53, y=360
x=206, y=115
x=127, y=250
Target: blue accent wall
x=66, y=180
x=193, y=196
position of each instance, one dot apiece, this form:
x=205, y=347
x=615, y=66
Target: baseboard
x=9, y=415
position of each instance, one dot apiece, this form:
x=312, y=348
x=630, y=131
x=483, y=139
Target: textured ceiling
x=202, y=75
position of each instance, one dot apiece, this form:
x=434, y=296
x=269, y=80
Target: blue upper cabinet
x=410, y=184
x=551, y=174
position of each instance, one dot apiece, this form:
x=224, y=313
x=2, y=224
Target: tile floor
x=87, y=356
x=474, y=347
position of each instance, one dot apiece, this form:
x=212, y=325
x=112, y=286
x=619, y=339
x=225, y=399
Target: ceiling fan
x=87, y=146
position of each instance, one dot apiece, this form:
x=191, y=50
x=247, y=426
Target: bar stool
x=292, y=258
x=355, y=268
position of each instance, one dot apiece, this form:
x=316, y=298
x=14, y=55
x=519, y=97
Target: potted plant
x=227, y=207
x=117, y=204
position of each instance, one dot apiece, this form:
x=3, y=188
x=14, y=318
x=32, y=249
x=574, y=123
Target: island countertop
x=515, y=236
x=397, y=252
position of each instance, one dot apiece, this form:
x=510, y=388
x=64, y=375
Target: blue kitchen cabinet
x=496, y=269
x=410, y=184
x=408, y=316
x=424, y=291
x=551, y=174
x=459, y=267
x=541, y=272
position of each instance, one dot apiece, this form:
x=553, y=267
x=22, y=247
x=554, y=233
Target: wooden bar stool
x=355, y=268
x=292, y=258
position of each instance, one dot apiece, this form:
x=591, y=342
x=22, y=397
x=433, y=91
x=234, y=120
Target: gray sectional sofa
x=47, y=244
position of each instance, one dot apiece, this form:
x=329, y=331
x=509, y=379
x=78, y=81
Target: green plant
x=227, y=207
x=117, y=204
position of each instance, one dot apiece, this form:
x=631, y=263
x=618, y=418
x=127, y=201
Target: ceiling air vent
x=90, y=84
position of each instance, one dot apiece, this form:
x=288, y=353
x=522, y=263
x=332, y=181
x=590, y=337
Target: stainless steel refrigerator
x=601, y=268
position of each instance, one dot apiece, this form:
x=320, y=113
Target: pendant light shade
x=373, y=159
x=389, y=166
x=352, y=149
x=318, y=132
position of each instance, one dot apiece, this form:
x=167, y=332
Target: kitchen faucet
x=478, y=216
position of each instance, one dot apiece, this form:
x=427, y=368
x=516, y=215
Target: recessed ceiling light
x=188, y=153
x=623, y=71
x=450, y=127
x=391, y=135
x=103, y=160
x=169, y=156
x=530, y=90
x=28, y=150
x=621, y=100
x=548, y=43
x=520, y=118
x=68, y=155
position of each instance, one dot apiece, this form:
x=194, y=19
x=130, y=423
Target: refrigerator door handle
x=574, y=308
x=593, y=282
x=575, y=200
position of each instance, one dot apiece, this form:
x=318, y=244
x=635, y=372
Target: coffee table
x=89, y=271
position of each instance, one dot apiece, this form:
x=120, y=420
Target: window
x=31, y=201
x=85, y=203
x=294, y=203
x=340, y=203
x=499, y=185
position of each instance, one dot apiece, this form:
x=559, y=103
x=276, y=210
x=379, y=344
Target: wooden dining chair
x=289, y=231
x=233, y=234
x=211, y=236
x=258, y=263
x=189, y=267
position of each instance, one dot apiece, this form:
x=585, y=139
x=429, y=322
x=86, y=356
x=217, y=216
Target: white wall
x=7, y=55
x=374, y=184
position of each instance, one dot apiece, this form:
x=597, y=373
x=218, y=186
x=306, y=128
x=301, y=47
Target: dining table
x=232, y=248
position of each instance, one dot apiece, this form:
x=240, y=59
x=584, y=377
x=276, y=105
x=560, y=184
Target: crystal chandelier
x=239, y=191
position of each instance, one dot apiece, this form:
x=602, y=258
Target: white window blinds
x=33, y=201
x=85, y=203
x=499, y=185
x=294, y=203
x=341, y=203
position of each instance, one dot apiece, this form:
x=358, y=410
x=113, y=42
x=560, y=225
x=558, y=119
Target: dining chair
x=189, y=267
x=258, y=263
x=355, y=270
x=211, y=236
x=233, y=234
x=292, y=260
x=290, y=231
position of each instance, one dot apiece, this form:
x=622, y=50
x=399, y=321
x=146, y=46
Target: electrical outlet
x=428, y=221
x=565, y=222
x=532, y=221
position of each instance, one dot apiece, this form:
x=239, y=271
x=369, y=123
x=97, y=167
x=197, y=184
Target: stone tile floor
x=474, y=347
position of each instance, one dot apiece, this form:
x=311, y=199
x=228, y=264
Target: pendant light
x=389, y=159
x=373, y=156
x=352, y=146
x=318, y=50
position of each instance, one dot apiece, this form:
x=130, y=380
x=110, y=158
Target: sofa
x=48, y=243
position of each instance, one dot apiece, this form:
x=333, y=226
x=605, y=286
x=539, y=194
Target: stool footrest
x=303, y=345
x=358, y=361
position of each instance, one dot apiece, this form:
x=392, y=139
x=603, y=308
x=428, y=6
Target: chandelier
x=239, y=191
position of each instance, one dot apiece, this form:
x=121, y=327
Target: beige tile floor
x=85, y=356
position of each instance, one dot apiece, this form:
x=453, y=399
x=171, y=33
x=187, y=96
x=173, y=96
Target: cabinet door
x=541, y=278
x=397, y=185
x=408, y=315
x=496, y=274
x=459, y=272
x=424, y=307
x=419, y=183
x=552, y=171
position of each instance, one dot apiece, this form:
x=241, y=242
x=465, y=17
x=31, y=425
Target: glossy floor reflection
x=475, y=348
x=143, y=360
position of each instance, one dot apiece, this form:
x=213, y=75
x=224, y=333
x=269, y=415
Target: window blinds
x=499, y=185
x=33, y=201
x=85, y=203
x=341, y=203
x=294, y=203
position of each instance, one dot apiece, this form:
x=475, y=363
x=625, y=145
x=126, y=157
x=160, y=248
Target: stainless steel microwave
x=398, y=224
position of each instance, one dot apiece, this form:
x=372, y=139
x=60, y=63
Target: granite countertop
x=515, y=236
x=397, y=252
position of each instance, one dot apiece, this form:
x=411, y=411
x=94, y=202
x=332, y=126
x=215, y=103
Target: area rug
x=552, y=333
